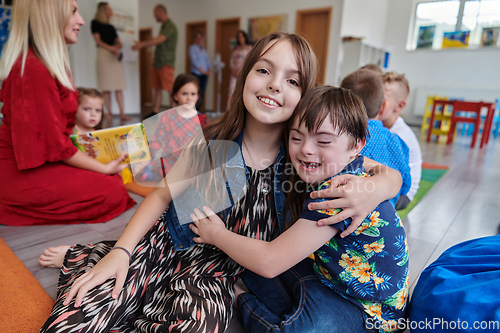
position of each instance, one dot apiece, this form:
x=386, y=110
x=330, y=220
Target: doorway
x=225, y=36
x=191, y=29
x=145, y=64
x=314, y=26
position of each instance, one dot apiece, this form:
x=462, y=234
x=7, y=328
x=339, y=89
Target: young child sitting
x=381, y=146
x=89, y=113
x=174, y=128
x=396, y=90
x=89, y=116
x=368, y=268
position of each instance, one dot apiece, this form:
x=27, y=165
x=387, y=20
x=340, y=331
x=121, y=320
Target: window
x=455, y=23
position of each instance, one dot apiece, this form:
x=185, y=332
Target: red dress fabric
x=36, y=187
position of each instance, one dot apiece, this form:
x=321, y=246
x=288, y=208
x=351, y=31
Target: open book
x=108, y=144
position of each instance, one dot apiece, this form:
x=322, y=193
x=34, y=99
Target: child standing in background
x=175, y=128
x=396, y=90
x=368, y=270
x=89, y=112
x=381, y=146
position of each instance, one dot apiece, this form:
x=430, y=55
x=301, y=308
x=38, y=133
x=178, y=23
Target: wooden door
x=314, y=26
x=191, y=29
x=145, y=64
x=225, y=34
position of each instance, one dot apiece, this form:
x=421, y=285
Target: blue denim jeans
x=296, y=301
x=202, y=83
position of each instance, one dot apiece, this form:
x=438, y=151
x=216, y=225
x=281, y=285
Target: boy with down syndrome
x=367, y=269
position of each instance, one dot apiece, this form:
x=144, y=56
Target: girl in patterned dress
x=153, y=279
x=368, y=268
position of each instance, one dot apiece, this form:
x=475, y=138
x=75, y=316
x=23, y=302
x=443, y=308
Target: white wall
x=444, y=69
x=365, y=19
x=83, y=55
x=183, y=11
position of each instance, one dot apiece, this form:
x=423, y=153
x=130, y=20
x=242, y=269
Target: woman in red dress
x=44, y=178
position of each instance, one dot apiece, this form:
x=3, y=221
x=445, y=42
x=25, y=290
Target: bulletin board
x=259, y=27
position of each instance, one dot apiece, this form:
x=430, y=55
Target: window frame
x=458, y=27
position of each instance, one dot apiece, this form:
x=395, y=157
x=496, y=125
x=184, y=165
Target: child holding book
x=174, y=128
x=89, y=112
x=368, y=268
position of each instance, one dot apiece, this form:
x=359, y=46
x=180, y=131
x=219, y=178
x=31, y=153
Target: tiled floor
x=464, y=204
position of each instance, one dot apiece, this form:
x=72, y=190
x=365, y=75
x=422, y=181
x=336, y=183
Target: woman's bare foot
x=53, y=256
x=124, y=117
x=237, y=292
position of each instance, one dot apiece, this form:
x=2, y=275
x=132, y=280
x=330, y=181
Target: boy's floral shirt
x=370, y=266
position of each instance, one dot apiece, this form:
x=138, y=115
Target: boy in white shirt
x=396, y=90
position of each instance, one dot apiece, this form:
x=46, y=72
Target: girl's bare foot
x=53, y=256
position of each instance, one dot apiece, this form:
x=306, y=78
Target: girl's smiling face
x=272, y=88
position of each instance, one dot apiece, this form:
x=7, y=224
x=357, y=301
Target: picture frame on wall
x=490, y=37
x=425, y=37
x=259, y=27
x=456, y=39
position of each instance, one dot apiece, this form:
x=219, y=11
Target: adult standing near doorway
x=162, y=74
x=243, y=46
x=110, y=76
x=200, y=65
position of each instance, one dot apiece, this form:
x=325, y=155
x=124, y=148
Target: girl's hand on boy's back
x=208, y=226
x=115, y=166
x=355, y=197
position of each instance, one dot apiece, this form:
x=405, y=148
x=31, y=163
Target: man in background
x=162, y=73
x=200, y=65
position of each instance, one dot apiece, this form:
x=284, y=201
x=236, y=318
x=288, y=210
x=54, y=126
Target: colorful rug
x=431, y=173
x=25, y=304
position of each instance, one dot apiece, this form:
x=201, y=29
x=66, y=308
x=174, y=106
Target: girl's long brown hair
x=230, y=125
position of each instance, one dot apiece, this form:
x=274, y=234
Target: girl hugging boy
x=368, y=268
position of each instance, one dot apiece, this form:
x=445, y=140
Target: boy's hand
x=207, y=225
x=356, y=197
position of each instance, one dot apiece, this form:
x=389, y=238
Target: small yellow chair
x=443, y=115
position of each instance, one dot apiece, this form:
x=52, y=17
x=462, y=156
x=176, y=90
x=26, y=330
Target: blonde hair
x=40, y=25
x=100, y=15
x=398, y=78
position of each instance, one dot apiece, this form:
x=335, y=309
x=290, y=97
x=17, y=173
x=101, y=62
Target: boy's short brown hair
x=90, y=92
x=398, y=78
x=368, y=86
x=346, y=111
